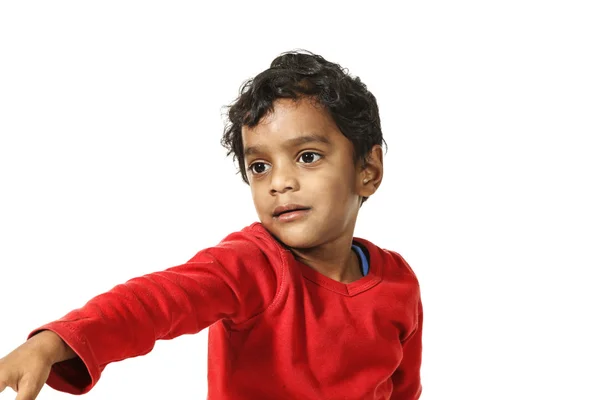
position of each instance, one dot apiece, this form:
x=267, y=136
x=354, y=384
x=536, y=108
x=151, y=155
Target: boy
x=298, y=308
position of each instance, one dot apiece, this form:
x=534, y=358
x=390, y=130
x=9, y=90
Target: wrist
x=51, y=347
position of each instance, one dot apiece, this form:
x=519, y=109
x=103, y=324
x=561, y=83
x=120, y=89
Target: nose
x=283, y=179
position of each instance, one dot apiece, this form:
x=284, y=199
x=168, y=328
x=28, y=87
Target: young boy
x=298, y=308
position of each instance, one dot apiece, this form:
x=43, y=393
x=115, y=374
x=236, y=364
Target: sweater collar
x=373, y=277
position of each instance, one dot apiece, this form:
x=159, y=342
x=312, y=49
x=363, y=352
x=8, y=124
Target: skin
x=282, y=170
x=27, y=368
x=288, y=162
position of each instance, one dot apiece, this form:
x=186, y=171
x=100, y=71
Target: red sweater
x=278, y=328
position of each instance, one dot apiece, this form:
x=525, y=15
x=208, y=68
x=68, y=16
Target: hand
x=27, y=368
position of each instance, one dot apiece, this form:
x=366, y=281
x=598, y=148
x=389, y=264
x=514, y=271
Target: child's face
x=297, y=156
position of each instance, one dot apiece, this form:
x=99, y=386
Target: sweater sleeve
x=233, y=281
x=407, y=378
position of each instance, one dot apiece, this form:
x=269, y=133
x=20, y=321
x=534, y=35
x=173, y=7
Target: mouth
x=287, y=209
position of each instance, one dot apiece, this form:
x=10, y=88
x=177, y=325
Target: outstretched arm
x=226, y=282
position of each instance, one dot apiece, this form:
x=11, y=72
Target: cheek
x=259, y=198
x=341, y=177
x=332, y=185
x=254, y=194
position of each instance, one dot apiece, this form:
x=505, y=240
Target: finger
x=4, y=385
x=28, y=392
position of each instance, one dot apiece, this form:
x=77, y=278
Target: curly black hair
x=297, y=74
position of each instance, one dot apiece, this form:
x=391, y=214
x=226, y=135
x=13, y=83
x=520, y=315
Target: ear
x=370, y=172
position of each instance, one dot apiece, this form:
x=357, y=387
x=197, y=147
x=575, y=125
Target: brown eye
x=258, y=168
x=310, y=157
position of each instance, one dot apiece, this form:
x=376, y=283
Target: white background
x=111, y=167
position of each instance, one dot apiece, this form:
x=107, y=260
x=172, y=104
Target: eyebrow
x=293, y=142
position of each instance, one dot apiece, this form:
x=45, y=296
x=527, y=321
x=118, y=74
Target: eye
x=310, y=157
x=258, y=168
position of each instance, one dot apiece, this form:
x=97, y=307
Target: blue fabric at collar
x=364, y=263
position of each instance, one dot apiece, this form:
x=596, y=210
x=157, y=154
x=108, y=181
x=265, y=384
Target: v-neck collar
x=346, y=289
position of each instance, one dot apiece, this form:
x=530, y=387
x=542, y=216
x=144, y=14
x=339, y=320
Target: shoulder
x=391, y=261
x=252, y=240
x=397, y=261
x=252, y=247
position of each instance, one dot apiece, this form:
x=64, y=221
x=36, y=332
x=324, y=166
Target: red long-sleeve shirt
x=278, y=328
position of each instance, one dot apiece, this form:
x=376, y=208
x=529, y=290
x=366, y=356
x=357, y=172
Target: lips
x=288, y=208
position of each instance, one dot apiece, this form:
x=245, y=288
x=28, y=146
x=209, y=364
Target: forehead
x=290, y=119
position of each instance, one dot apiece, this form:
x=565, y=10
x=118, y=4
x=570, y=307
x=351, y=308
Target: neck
x=334, y=259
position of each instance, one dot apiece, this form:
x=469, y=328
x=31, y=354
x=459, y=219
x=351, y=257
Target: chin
x=296, y=237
